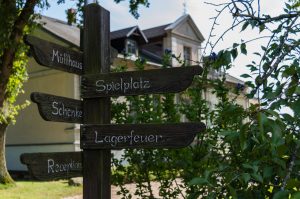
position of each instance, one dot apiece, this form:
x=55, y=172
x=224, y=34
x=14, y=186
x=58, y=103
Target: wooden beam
x=96, y=48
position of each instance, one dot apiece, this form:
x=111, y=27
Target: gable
x=186, y=29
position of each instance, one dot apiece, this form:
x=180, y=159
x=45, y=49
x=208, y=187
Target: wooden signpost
x=97, y=135
x=168, y=80
x=53, y=166
x=120, y=136
x=58, y=109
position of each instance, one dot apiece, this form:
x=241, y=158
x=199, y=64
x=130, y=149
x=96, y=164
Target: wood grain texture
x=53, y=166
x=55, y=56
x=58, y=57
x=120, y=136
x=170, y=80
x=58, y=109
x=96, y=48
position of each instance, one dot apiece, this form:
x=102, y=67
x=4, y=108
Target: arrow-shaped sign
x=119, y=136
x=58, y=109
x=138, y=82
x=53, y=166
x=58, y=57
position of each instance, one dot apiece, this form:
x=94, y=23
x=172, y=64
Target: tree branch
x=267, y=19
x=15, y=38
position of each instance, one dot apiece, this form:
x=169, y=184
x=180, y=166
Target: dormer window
x=187, y=56
x=131, y=47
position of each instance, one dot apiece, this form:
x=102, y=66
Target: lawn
x=39, y=190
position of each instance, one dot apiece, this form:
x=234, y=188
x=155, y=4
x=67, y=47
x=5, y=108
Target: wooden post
x=96, y=48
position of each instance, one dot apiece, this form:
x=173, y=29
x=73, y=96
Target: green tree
x=17, y=20
x=245, y=153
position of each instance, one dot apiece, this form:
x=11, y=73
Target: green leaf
x=268, y=171
x=261, y=28
x=247, y=166
x=243, y=49
x=229, y=134
x=232, y=192
x=246, y=177
x=281, y=195
x=297, y=90
x=245, y=75
x=279, y=162
x=293, y=183
x=263, y=48
x=257, y=177
x=234, y=53
x=245, y=25
x=198, y=181
x=296, y=195
x=262, y=119
x=295, y=106
x=235, y=45
x=289, y=72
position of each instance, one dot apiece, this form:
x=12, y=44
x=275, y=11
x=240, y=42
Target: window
x=131, y=47
x=187, y=55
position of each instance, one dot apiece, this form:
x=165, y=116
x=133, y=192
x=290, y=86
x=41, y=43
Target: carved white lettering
x=63, y=167
x=59, y=109
x=131, y=139
x=65, y=58
x=122, y=85
x=50, y=166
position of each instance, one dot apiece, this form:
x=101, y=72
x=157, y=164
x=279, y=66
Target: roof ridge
x=157, y=27
x=125, y=28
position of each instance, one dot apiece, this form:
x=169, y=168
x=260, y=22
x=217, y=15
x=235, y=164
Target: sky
x=163, y=12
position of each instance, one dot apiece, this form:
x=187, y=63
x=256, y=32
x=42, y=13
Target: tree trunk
x=5, y=178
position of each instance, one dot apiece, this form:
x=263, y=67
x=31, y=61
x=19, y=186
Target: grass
x=39, y=190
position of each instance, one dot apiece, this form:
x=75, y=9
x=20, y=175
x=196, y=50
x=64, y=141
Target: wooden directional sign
x=121, y=136
x=59, y=57
x=138, y=82
x=56, y=56
x=53, y=166
x=58, y=109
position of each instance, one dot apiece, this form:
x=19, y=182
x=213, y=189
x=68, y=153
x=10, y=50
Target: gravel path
x=131, y=188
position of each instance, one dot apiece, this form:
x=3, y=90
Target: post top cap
x=90, y=1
